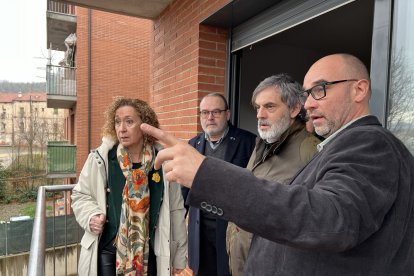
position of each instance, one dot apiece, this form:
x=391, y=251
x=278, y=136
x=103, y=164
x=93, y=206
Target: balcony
x=61, y=160
x=149, y=9
x=61, y=22
x=60, y=86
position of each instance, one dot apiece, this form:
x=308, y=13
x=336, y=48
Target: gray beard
x=276, y=130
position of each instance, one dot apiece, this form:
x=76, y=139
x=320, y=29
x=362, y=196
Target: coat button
x=108, y=190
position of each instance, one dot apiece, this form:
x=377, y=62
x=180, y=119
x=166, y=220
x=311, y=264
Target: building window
x=400, y=117
x=21, y=126
x=21, y=112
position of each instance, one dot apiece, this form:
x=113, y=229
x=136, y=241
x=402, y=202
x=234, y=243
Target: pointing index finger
x=165, y=138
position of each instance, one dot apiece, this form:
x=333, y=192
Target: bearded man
x=284, y=148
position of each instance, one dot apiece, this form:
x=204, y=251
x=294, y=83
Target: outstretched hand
x=183, y=160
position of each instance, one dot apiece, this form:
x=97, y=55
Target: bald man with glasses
x=349, y=211
x=206, y=229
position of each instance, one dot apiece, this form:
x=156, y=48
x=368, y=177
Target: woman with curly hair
x=132, y=216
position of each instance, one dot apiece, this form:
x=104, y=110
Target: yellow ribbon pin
x=156, y=177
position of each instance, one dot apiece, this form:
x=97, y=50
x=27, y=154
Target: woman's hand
x=96, y=223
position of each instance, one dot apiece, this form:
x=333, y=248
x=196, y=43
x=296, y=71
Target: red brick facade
x=188, y=62
x=120, y=66
x=171, y=62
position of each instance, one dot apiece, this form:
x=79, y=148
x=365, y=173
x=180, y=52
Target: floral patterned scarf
x=133, y=236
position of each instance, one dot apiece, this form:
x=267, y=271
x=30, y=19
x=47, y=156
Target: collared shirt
x=330, y=138
x=215, y=144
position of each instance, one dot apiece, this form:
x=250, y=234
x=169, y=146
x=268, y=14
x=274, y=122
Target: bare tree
x=401, y=99
x=36, y=129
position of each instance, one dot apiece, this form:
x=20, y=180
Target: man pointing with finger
x=348, y=212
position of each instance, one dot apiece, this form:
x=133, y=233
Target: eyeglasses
x=216, y=113
x=319, y=91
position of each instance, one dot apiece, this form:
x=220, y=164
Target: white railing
x=38, y=244
x=61, y=80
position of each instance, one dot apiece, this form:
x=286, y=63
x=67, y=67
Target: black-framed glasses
x=319, y=91
x=216, y=113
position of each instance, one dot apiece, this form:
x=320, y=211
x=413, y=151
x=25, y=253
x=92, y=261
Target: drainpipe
x=232, y=75
x=89, y=77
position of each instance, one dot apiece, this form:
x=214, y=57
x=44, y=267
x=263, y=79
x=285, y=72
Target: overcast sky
x=23, y=40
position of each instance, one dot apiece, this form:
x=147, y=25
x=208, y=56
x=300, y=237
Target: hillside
x=23, y=87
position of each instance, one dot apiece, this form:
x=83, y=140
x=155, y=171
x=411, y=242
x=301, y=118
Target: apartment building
x=22, y=113
x=107, y=56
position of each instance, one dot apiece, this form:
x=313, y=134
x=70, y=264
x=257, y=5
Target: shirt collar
x=215, y=144
x=330, y=138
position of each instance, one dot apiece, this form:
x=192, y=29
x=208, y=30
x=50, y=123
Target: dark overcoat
x=348, y=212
x=239, y=148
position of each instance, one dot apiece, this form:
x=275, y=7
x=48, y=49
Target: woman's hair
x=144, y=112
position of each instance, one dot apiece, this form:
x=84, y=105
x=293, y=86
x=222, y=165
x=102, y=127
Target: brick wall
x=188, y=61
x=172, y=62
x=120, y=67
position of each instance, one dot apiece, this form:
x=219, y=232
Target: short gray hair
x=291, y=92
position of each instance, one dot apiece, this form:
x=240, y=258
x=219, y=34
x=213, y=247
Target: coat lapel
x=200, y=144
x=233, y=142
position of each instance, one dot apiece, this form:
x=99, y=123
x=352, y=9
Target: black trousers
x=107, y=261
x=208, y=250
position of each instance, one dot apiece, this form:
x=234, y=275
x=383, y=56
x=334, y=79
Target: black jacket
x=239, y=148
x=348, y=212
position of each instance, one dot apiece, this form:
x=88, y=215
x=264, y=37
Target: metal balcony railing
x=60, y=7
x=61, y=80
x=61, y=158
x=68, y=250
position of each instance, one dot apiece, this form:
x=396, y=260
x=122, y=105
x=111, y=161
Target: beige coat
x=89, y=199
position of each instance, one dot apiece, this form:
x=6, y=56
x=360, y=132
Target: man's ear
x=295, y=111
x=361, y=90
x=228, y=113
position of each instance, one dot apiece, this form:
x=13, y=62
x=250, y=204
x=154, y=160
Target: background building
x=110, y=58
x=21, y=110
x=26, y=124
